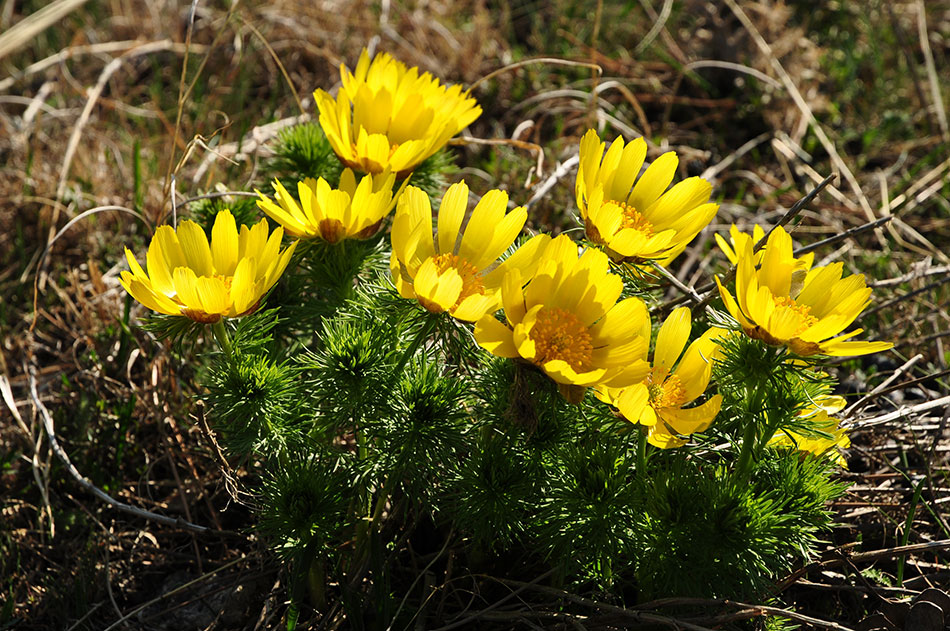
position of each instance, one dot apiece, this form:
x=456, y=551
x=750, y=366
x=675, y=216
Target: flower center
x=471, y=279
x=669, y=394
x=633, y=220
x=803, y=311
x=559, y=334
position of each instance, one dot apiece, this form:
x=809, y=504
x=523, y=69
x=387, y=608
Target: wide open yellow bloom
x=567, y=321
x=449, y=274
x=819, y=416
x=353, y=211
x=205, y=282
x=781, y=303
x=388, y=116
x=638, y=222
x=658, y=401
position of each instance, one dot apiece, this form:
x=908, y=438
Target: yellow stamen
x=633, y=220
x=669, y=394
x=804, y=311
x=559, y=334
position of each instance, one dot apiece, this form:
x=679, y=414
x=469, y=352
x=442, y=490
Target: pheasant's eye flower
x=205, y=282
x=739, y=241
x=353, y=211
x=638, y=222
x=784, y=305
x=567, y=321
x=452, y=274
x=658, y=401
x=818, y=416
x=388, y=116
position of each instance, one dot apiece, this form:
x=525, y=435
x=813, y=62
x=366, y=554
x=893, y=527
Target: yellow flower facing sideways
x=658, y=401
x=388, y=115
x=353, y=211
x=456, y=271
x=205, y=282
x=820, y=419
x=567, y=321
x=783, y=304
x=739, y=240
x=636, y=219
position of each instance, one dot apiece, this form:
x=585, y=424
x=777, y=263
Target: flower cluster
x=563, y=310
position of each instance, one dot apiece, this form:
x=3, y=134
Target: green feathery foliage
x=303, y=151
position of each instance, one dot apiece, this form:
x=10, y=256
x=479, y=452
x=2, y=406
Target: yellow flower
x=350, y=212
x=806, y=310
x=205, y=282
x=658, y=401
x=567, y=321
x=820, y=420
x=387, y=115
x=452, y=274
x=741, y=240
x=638, y=222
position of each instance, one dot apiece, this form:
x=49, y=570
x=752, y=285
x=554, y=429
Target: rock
x=875, y=622
x=924, y=616
x=896, y=612
x=937, y=597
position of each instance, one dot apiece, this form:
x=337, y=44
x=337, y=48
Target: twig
x=876, y=391
x=903, y=412
x=562, y=170
x=495, y=605
x=774, y=611
x=709, y=289
x=871, y=225
x=915, y=272
x=85, y=482
x=886, y=553
x=903, y=297
x=796, y=208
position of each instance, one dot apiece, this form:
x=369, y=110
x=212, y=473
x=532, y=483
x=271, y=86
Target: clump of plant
x=419, y=365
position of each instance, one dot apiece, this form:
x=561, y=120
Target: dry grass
x=107, y=103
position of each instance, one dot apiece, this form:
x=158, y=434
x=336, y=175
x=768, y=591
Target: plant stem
x=221, y=334
x=641, y=453
x=424, y=331
x=744, y=464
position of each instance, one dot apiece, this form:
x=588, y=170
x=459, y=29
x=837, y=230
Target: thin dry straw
x=24, y=31
x=85, y=482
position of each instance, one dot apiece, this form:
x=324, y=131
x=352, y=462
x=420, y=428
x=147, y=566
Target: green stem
x=366, y=527
x=221, y=334
x=642, y=453
x=424, y=331
x=744, y=464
